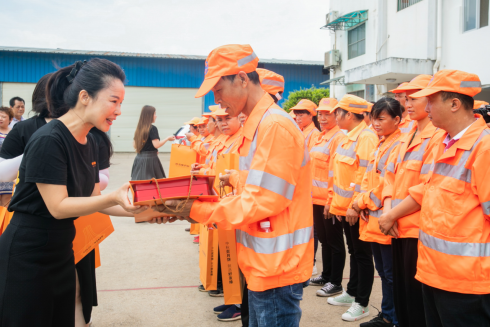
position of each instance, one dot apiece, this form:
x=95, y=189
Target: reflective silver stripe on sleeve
x=343, y=193
x=374, y=198
x=276, y=244
x=320, y=184
x=369, y=168
x=270, y=182
x=470, y=84
x=454, y=248
x=207, y=161
x=271, y=82
x=363, y=163
x=486, y=208
x=408, y=128
x=376, y=213
x=425, y=168
x=357, y=188
x=395, y=202
x=330, y=173
x=391, y=167
x=246, y=60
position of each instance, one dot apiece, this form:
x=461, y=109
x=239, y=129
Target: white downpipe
x=437, y=64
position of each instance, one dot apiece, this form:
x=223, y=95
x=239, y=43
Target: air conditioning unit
x=332, y=58
x=331, y=16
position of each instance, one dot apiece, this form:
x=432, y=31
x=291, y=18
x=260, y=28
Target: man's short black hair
x=12, y=101
x=253, y=76
x=466, y=100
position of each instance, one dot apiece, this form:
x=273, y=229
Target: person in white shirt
x=18, y=106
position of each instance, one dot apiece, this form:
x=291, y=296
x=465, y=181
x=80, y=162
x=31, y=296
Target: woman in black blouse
x=58, y=182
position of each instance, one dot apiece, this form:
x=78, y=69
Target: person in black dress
x=58, y=182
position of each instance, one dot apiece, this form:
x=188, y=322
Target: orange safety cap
x=271, y=82
x=193, y=121
x=213, y=109
x=399, y=86
x=455, y=81
x=353, y=104
x=227, y=60
x=203, y=121
x=478, y=103
x=306, y=104
x=417, y=83
x=327, y=104
x=220, y=112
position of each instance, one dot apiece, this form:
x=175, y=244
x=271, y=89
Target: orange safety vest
x=454, y=240
x=350, y=162
x=408, y=166
x=372, y=188
x=275, y=171
x=406, y=125
x=322, y=166
x=201, y=146
x=310, y=133
x=212, y=152
x=230, y=145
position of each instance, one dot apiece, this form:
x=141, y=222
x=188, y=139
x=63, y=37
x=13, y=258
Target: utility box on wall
x=332, y=58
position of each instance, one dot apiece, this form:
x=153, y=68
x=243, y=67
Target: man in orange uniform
x=350, y=162
x=406, y=124
x=454, y=248
x=275, y=171
x=408, y=166
x=272, y=83
x=329, y=234
x=305, y=112
x=205, y=138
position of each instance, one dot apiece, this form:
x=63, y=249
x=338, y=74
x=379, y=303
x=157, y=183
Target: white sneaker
x=355, y=312
x=344, y=300
x=315, y=271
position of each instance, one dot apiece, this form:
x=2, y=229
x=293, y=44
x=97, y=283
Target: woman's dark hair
x=39, y=105
x=357, y=116
x=143, y=128
x=388, y=105
x=103, y=136
x=64, y=86
x=314, y=118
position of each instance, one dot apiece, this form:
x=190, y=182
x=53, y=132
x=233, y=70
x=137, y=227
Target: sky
x=279, y=29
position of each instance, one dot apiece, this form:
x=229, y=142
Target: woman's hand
x=171, y=138
x=121, y=198
x=326, y=212
x=386, y=222
x=351, y=217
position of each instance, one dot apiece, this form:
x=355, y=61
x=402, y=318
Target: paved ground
x=150, y=273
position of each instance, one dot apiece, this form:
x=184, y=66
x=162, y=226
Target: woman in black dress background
x=58, y=182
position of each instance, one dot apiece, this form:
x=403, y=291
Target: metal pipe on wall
x=437, y=64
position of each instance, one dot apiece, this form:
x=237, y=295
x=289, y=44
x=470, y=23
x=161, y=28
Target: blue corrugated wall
x=25, y=67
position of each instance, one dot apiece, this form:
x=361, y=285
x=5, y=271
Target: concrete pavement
x=149, y=275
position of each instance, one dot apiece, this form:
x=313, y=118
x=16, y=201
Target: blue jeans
x=277, y=307
x=383, y=261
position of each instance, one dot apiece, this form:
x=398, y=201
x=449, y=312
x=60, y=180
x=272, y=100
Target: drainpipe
x=435, y=69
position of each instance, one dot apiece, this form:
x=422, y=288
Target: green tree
x=312, y=94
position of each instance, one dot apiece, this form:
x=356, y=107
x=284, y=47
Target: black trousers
x=244, y=307
x=407, y=291
x=450, y=309
x=361, y=264
x=331, y=237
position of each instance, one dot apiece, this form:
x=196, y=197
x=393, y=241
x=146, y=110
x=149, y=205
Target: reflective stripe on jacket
x=310, y=133
x=212, y=154
x=407, y=167
x=350, y=162
x=407, y=125
x=454, y=240
x=322, y=166
x=201, y=146
x=275, y=171
x=372, y=188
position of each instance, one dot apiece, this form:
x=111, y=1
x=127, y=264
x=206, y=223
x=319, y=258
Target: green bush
x=312, y=94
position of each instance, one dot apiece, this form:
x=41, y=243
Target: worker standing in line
x=454, y=257
x=307, y=120
x=406, y=124
x=329, y=234
x=272, y=216
x=205, y=136
x=350, y=162
x=408, y=167
x=386, y=116
x=193, y=125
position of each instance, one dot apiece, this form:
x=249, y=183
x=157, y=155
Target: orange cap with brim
x=455, y=81
x=327, y=104
x=370, y=106
x=399, y=86
x=353, y=104
x=478, y=103
x=227, y=60
x=271, y=82
x=193, y=121
x=220, y=112
x=417, y=83
x=213, y=109
x=306, y=104
x=203, y=121
x=291, y=113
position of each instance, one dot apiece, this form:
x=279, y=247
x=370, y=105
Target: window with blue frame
x=357, y=41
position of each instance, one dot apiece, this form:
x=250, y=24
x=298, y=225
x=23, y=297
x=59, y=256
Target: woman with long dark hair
x=58, y=182
x=146, y=165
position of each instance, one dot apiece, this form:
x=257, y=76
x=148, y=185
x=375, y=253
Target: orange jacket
x=212, y=153
x=350, y=162
x=229, y=145
x=310, y=133
x=408, y=166
x=406, y=125
x=454, y=240
x=372, y=188
x=275, y=171
x=321, y=152
x=201, y=146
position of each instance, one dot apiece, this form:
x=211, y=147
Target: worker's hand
x=326, y=212
x=394, y=230
x=365, y=215
x=339, y=217
x=351, y=217
x=189, y=136
x=175, y=205
x=356, y=207
x=225, y=178
x=386, y=222
x=195, y=168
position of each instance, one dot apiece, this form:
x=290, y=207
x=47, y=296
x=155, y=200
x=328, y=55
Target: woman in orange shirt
x=307, y=120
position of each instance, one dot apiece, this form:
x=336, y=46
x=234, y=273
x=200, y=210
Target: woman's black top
x=54, y=156
x=152, y=135
x=16, y=140
x=104, y=147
